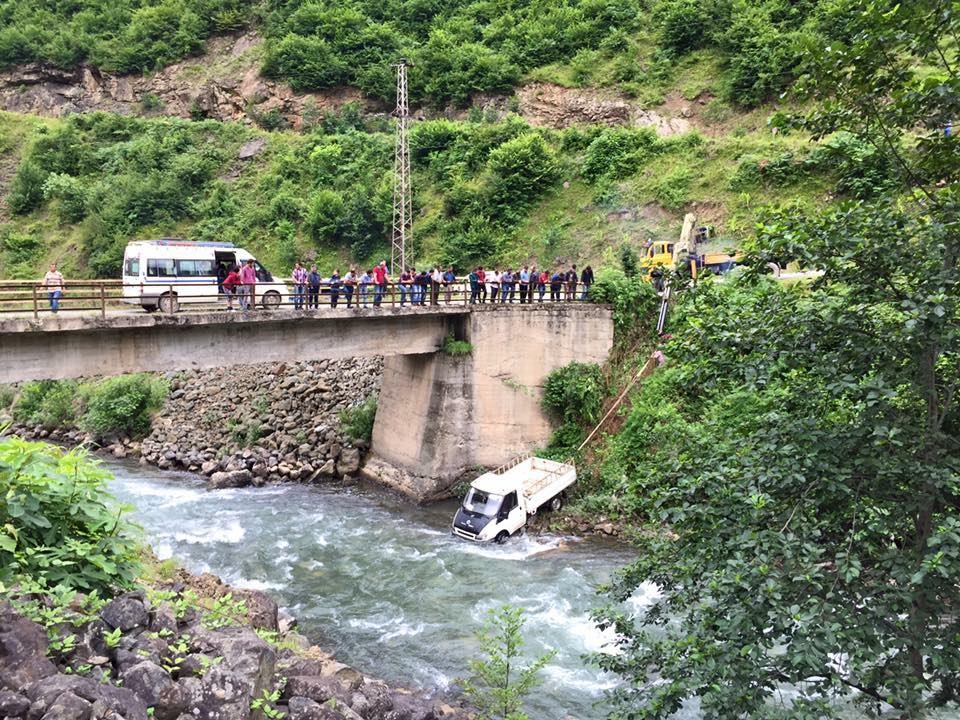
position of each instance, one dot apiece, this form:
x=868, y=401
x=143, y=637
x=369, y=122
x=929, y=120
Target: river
x=383, y=584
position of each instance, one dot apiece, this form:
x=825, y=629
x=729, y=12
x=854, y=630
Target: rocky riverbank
x=250, y=424
x=186, y=649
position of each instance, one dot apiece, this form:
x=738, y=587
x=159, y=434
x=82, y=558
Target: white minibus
x=169, y=272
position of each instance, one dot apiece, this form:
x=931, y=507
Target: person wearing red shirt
x=380, y=276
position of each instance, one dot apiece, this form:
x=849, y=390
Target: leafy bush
x=672, y=190
x=123, y=405
x=26, y=190
x=862, y=171
x=357, y=421
x=7, y=394
x=456, y=348
x=684, y=24
x=633, y=299
x=57, y=522
x=524, y=169
x=618, y=153
x=50, y=403
x=574, y=393
x=70, y=192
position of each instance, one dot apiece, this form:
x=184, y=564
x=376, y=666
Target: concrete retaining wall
x=439, y=416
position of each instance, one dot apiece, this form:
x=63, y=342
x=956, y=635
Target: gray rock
x=68, y=706
x=349, y=461
x=155, y=686
x=301, y=708
x=316, y=687
x=121, y=701
x=230, y=479
x=252, y=148
x=261, y=608
x=226, y=695
x=23, y=650
x=243, y=652
x=126, y=612
x=13, y=705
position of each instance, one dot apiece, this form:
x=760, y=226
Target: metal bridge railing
x=28, y=297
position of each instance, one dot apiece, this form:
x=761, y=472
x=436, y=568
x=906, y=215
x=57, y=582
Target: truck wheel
x=168, y=303
x=501, y=538
x=556, y=502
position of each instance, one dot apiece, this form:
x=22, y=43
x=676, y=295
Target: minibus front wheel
x=271, y=300
x=169, y=303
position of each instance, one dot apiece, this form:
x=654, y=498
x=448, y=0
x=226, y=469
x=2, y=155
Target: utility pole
x=402, y=194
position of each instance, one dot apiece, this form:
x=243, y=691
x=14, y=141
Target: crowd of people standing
x=422, y=287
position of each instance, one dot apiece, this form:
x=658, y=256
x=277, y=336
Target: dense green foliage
x=58, y=525
x=802, y=445
x=123, y=405
x=459, y=49
x=357, y=421
x=499, y=683
x=116, y=406
x=574, y=393
x=487, y=192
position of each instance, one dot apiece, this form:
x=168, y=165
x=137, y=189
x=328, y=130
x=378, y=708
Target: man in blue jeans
x=53, y=282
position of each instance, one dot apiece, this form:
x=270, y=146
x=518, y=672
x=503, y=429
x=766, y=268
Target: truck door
x=511, y=515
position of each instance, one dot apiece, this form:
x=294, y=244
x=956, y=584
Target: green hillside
x=493, y=187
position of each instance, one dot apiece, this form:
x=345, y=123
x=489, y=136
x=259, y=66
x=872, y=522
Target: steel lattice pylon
x=402, y=194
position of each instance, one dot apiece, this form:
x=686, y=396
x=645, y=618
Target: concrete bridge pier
x=440, y=416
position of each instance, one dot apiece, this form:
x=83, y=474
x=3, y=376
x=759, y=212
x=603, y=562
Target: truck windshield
x=482, y=503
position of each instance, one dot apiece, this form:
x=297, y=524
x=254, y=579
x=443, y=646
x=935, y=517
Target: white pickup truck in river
x=499, y=502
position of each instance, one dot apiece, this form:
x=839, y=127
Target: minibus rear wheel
x=169, y=303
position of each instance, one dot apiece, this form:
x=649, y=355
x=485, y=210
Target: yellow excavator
x=688, y=251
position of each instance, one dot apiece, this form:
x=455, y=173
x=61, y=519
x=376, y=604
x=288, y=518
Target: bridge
x=438, y=415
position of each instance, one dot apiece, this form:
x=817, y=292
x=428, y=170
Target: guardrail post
x=103, y=302
x=36, y=312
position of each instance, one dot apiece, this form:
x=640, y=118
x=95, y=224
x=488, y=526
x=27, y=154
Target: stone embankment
x=251, y=424
x=255, y=424
x=157, y=655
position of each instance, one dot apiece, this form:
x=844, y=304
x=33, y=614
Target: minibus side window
x=195, y=268
x=161, y=267
x=131, y=266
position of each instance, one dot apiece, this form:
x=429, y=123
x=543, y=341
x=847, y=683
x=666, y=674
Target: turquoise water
x=383, y=584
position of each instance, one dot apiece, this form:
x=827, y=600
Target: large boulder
x=127, y=612
x=13, y=705
x=261, y=608
x=68, y=706
x=230, y=479
x=118, y=700
x=301, y=708
x=23, y=650
x=155, y=686
x=318, y=688
x=226, y=695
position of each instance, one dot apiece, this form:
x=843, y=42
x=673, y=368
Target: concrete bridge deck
x=56, y=347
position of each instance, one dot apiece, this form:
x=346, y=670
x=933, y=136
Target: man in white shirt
x=53, y=282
